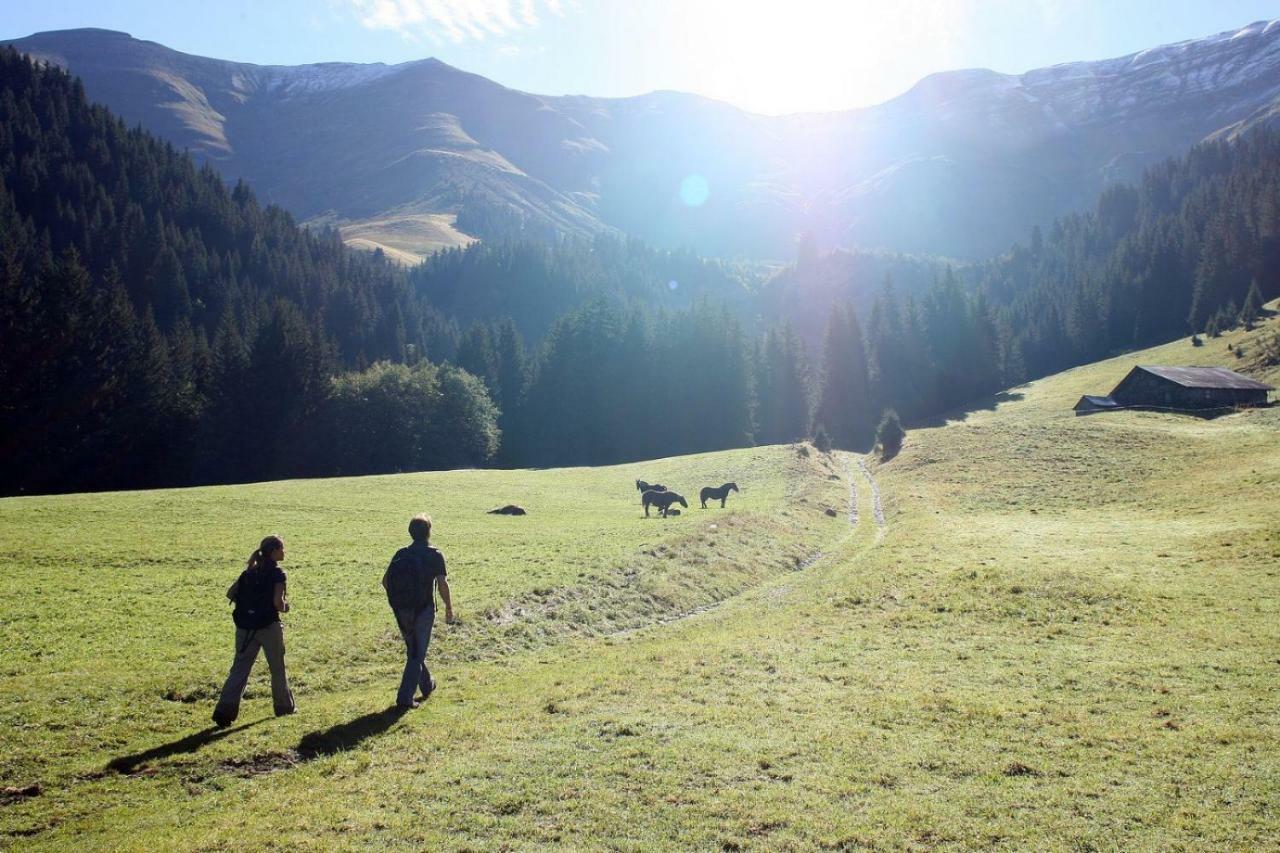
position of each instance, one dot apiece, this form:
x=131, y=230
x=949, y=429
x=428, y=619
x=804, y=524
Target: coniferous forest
x=160, y=328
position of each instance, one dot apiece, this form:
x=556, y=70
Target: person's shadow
x=191, y=743
x=346, y=735
x=334, y=739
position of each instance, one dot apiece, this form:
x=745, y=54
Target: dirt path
x=877, y=510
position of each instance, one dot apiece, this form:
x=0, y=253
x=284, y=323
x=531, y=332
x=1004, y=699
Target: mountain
x=420, y=155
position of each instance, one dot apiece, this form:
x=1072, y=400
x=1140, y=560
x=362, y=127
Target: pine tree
x=844, y=402
x=1252, y=305
x=1213, y=328
x=477, y=356
x=783, y=394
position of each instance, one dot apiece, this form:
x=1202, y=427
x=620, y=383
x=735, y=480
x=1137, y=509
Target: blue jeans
x=415, y=628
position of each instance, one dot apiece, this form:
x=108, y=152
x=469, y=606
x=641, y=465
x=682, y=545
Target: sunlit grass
x=1066, y=639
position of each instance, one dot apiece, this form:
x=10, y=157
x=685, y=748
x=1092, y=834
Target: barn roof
x=1205, y=377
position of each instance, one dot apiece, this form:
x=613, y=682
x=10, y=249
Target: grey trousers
x=271, y=640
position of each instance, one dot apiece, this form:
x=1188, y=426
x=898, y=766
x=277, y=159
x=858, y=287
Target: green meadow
x=1059, y=633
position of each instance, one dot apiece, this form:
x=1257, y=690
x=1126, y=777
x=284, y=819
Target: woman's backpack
x=255, y=600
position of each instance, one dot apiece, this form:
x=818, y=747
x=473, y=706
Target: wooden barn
x=1188, y=388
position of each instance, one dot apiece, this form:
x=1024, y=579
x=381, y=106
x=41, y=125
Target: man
x=410, y=580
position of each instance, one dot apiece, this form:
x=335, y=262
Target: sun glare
x=694, y=190
x=811, y=54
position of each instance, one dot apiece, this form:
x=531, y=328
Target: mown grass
x=1065, y=639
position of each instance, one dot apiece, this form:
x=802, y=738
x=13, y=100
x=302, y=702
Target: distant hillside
x=958, y=166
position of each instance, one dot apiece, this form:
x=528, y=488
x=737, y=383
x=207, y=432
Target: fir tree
x=1252, y=307
x=844, y=401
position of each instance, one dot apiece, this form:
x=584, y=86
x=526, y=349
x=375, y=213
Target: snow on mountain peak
x=324, y=76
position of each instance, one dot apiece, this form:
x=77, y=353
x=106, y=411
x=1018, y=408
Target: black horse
x=720, y=494
x=662, y=500
x=642, y=487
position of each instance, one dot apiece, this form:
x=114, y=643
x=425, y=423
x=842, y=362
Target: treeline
x=160, y=329
x=1181, y=252
x=538, y=282
x=613, y=383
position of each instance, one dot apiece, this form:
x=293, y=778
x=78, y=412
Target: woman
x=259, y=596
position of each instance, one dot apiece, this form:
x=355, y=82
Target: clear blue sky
x=770, y=56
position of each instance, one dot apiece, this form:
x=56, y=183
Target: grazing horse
x=720, y=494
x=642, y=487
x=662, y=500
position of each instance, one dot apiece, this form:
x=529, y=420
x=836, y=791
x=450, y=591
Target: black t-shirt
x=275, y=575
x=432, y=561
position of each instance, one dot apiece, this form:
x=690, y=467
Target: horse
x=720, y=494
x=642, y=487
x=662, y=500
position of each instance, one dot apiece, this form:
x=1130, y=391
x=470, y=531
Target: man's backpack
x=408, y=582
x=255, y=600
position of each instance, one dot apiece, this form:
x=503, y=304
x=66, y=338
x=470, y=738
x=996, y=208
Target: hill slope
x=958, y=165
x=1062, y=636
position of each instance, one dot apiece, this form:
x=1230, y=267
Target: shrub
x=1271, y=350
x=392, y=417
x=889, y=434
x=821, y=440
x=1197, y=341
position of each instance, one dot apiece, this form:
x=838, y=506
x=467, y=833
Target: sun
x=808, y=55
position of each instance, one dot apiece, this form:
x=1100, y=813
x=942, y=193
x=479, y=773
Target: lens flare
x=694, y=190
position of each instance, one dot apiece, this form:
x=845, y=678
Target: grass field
x=1064, y=636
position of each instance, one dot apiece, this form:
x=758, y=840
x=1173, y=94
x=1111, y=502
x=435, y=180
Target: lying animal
x=509, y=509
x=720, y=494
x=662, y=500
x=642, y=487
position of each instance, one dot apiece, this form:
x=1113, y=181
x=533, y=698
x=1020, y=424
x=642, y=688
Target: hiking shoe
x=284, y=712
x=414, y=704
x=431, y=688
x=222, y=722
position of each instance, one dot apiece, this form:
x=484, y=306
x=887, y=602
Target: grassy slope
x=1066, y=638
x=406, y=239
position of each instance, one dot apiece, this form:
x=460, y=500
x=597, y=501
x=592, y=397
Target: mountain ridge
x=959, y=164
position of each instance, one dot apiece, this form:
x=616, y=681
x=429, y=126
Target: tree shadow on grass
x=988, y=404
x=346, y=735
x=191, y=743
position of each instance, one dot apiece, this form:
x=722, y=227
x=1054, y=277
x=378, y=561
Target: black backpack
x=255, y=600
x=408, y=582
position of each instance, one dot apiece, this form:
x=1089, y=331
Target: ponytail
x=260, y=557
